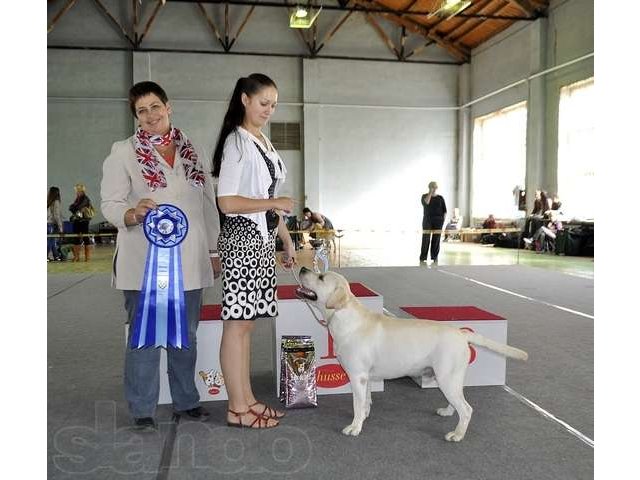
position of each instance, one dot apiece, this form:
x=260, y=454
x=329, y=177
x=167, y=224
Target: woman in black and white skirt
x=250, y=173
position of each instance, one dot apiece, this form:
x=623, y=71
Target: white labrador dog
x=373, y=346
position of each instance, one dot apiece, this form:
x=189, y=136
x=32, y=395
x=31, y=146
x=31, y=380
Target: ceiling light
x=303, y=17
x=449, y=8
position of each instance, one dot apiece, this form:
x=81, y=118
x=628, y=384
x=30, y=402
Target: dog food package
x=298, y=372
x=286, y=341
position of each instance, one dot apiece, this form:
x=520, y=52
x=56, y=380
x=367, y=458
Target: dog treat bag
x=285, y=341
x=298, y=372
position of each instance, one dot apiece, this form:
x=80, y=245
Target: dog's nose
x=303, y=270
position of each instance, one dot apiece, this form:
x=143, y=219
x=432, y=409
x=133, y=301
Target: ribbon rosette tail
x=161, y=319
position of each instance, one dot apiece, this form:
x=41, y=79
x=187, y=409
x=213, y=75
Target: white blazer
x=243, y=172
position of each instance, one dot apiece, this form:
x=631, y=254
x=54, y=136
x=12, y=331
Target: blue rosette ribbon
x=161, y=318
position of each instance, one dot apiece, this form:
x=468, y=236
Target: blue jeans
x=52, y=242
x=142, y=366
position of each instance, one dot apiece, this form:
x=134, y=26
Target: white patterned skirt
x=248, y=271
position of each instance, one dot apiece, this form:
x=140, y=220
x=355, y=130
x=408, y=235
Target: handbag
x=88, y=212
x=272, y=219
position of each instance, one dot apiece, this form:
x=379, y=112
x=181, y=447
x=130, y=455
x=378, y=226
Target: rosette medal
x=161, y=318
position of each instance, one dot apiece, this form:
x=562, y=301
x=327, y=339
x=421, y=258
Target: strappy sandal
x=263, y=422
x=268, y=412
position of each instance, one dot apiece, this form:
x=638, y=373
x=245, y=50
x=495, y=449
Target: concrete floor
x=89, y=434
x=88, y=419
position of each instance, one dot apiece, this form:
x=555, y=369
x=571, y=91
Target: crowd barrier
x=339, y=233
x=329, y=236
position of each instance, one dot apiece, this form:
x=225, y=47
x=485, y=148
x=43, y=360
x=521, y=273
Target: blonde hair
x=433, y=184
x=79, y=187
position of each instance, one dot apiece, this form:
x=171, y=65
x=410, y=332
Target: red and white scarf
x=153, y=175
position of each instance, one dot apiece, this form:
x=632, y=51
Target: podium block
x=485, y=367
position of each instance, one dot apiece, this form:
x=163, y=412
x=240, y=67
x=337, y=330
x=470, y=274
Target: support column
x=536, y=109
x=463, y=166
x=312, y=135
x=141, y=67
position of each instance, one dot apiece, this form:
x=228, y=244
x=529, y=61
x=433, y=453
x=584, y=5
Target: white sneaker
x=528, y=241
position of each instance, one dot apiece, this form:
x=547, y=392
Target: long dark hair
x=235, y=113
x=54, y=194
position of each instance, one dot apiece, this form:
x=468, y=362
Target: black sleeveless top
x=272, y=216
x=272, y=170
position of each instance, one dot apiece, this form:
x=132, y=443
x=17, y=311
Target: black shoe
x=198, y=414
x=144, y=424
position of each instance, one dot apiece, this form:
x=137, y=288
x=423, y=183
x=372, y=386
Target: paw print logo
x=213, y=379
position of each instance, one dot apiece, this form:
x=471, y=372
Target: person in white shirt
x=250, y=173
x=158, y=165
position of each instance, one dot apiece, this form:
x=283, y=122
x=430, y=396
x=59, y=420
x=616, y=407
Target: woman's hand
x=216, y=266
x=135, y=216
x=283, y=203
x=144, y=205
x=289, y=256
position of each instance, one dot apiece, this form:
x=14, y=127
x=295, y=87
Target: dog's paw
x=445, y=412
x=352, y=430
x=453, y=437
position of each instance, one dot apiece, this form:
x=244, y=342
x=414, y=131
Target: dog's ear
x=338, y=298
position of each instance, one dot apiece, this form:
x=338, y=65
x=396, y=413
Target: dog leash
x=297, y=279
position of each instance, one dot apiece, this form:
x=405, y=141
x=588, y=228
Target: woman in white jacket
x=158, y=165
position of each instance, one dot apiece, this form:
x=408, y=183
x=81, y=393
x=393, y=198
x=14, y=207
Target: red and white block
x=485, y=367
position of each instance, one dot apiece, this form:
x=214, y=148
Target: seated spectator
x=489, y=223
x=537, y=204
x=316, y=221
x=541, y=206
x=556, y=204
x=547, y=206
x=536, y=212
x=549, y=230
x=455, y=223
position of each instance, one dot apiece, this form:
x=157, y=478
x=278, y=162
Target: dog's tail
x=497, y=347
